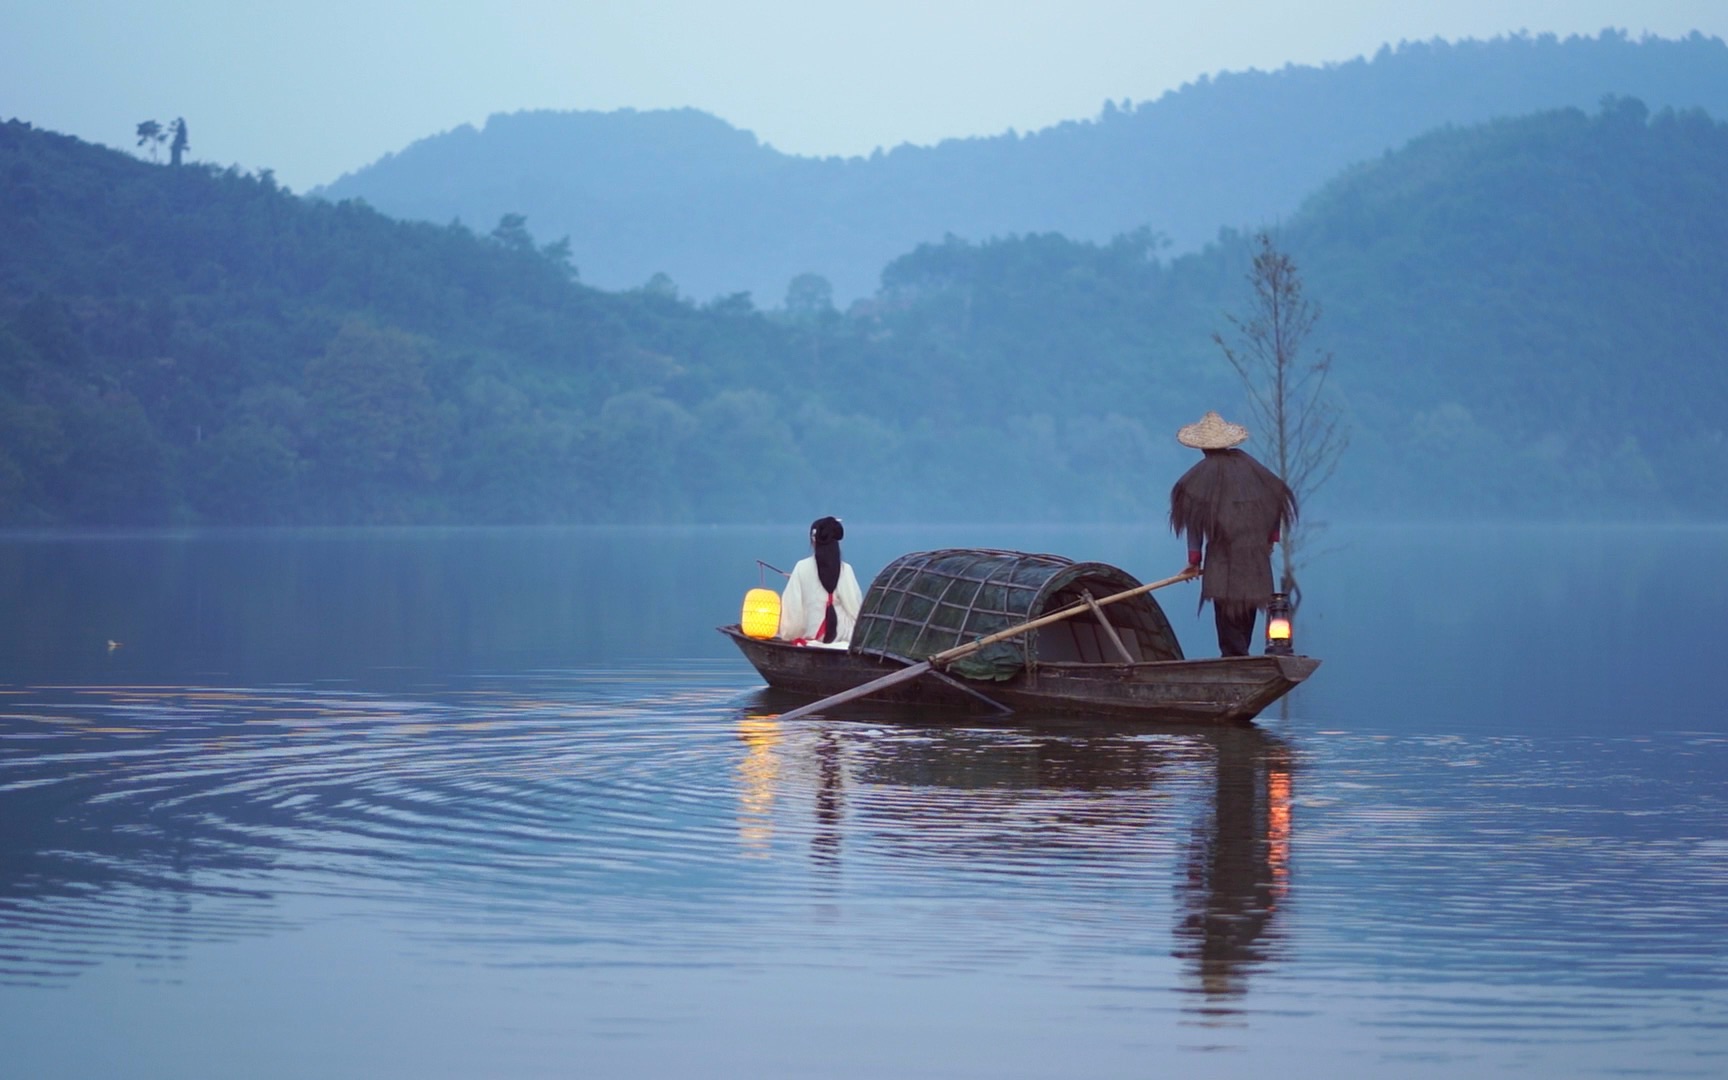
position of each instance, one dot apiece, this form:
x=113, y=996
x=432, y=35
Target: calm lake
x=501, y=803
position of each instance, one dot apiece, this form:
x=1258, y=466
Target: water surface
x=476, y=803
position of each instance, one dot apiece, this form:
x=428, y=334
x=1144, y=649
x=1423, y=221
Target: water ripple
x=1483, y=888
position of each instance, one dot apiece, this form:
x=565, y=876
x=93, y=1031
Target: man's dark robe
x=1232, y=509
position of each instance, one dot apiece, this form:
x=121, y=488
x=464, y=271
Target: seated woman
x=822, y=598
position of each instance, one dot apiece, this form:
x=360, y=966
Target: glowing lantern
x=1278, y=626
x=761, y=618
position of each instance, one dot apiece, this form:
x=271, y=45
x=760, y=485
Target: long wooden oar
x=942, y=659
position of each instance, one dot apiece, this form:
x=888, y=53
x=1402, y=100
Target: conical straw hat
x=1212, y=432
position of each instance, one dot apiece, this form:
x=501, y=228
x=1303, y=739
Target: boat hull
x=1230, y=690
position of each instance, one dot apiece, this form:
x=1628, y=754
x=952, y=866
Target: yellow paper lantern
x=761, y=618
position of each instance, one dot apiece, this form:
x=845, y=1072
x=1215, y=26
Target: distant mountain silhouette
x=685, y=194
x=1527, y=317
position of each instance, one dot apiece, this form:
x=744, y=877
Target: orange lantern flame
x=1278, y=626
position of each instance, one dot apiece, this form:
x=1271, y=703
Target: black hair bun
x=827, y=530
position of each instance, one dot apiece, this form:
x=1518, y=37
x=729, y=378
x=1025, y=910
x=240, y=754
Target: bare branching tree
x=1287, y=392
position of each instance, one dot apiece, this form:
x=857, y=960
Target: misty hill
x=1527, y=317
x=683, y=193
x=1537, y=308
x=189, y=344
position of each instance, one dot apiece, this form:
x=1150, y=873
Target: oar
x=942, y=659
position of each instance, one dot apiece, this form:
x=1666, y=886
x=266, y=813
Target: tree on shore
x=1287, y=393
x=151, y=136
x=512, y=232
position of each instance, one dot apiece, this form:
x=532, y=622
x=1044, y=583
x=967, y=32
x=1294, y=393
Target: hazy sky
x=315, y=88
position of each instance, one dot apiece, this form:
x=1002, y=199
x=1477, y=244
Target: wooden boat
x=1121, y=659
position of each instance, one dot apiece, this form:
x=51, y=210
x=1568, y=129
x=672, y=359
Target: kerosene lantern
x=1278, y=642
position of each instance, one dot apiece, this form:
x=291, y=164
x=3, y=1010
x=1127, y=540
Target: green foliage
x=1546, y=292
x=151, y=137
x=376, y=427
x=115, y=469
x=1526, y=316
x=247, y=474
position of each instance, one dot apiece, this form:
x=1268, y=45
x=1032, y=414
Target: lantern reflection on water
x=758, y=774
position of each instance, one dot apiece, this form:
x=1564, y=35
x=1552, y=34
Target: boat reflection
x=1205, y=809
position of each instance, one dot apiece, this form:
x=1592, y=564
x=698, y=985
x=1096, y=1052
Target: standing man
x=1232, y=509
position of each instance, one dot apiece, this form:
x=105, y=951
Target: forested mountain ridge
x=686, y=194
x=188, y=344
x=1540, y=304
x=1527, y=317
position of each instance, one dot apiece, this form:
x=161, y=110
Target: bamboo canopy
x=928, y=602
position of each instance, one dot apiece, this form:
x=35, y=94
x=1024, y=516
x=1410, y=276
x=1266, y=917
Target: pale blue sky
x=318, y=88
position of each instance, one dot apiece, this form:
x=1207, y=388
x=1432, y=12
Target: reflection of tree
x=1238, y=869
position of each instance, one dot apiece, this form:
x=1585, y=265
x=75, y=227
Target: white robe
x=804, y=602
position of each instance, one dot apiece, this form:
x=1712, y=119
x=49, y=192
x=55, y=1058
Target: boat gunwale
x=1250, y=683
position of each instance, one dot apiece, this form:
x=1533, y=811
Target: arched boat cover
x=928, y=601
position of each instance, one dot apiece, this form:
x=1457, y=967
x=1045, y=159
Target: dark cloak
x=1231, y=507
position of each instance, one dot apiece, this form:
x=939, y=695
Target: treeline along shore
x=1527, y=316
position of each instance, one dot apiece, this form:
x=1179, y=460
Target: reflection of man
x=1237, y=867
x=1233, y=509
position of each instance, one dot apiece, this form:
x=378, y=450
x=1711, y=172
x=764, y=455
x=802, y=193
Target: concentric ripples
x=634, y=809
x=1446, y=893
